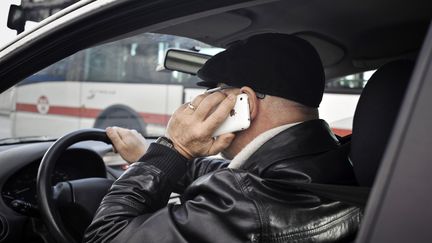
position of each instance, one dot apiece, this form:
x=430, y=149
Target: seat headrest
x=375, y=117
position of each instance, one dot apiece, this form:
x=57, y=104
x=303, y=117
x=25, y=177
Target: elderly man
x=249, y=198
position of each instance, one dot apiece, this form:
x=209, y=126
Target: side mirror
x=16, y=18
x=184, y=61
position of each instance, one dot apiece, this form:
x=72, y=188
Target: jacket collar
x=250, y=148
x=309, y=137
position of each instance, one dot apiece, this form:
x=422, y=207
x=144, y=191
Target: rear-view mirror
x=16, y=18
x=184, y=61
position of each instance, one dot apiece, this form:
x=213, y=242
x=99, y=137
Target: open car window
x=123, y=83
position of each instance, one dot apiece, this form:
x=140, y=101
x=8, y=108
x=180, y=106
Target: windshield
x=123, y=83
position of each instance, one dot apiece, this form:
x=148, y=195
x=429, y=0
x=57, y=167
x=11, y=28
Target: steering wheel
x=85, y=194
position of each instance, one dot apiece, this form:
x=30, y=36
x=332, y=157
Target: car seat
x=375, y=116
x=373, y=122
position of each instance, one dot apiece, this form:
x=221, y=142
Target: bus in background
x=120, y=84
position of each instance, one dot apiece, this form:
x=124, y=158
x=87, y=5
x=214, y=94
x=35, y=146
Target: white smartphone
x=239, y=118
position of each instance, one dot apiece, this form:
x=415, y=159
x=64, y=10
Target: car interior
x=51, y=189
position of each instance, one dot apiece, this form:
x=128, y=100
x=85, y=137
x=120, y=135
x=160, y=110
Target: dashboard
x=19, y=166
x=19, y=191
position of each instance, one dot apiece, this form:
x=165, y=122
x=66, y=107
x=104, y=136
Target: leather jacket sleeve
x=134, y=210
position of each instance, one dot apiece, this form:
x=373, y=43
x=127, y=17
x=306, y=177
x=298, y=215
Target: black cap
x=276, y=64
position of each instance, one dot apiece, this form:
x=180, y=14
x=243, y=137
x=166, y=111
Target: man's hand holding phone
x=192, y=126
x=238, y=119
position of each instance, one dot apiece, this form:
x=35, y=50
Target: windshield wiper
x=27, y=139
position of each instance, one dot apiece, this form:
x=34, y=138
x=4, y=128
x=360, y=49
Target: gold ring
x=192, y=107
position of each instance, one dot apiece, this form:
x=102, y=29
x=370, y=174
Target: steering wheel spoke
x=62, y=193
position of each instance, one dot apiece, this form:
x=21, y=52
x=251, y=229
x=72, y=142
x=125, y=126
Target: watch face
x=165, y=141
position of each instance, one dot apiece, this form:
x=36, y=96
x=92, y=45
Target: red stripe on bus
x=155, y=118
x=89, y=113
x=93, y=113
x=26, y=107
x=341, y=132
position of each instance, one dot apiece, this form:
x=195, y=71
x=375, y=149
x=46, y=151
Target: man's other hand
x=192, y=125
x=130, y=144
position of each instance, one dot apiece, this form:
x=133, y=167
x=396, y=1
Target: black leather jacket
x=220, y=204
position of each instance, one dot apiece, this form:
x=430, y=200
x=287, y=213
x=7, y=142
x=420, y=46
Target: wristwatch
x=166, y=142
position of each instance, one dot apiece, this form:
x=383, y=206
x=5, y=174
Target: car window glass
x=353, y=83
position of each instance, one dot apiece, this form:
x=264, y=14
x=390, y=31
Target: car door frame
x=87, y=24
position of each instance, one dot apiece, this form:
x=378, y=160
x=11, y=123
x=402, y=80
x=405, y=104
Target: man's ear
x=253, y=101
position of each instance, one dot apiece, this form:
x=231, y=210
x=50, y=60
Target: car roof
x=351, y=36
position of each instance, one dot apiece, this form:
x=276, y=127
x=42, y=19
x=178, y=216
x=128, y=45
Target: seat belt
x=353, y=195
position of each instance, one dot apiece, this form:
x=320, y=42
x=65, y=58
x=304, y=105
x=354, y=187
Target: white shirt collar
x=255, y=144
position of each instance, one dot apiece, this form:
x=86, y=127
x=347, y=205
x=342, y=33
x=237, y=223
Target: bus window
x=56, y=72
x=137, y=60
